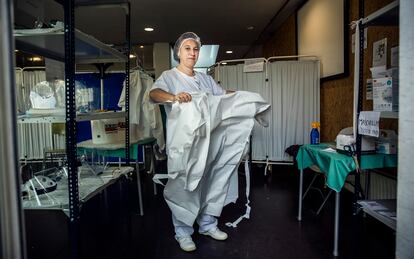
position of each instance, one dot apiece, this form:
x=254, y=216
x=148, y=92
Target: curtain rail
x=275, y=58
x=235, y=60
x=265, y=60
x=239, y=60
x=33, y=68
x=288, y=57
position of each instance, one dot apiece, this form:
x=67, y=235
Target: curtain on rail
x=233, y=77
x=32, y=138
x=25, y=81
x=293, y=92
x=20, y=105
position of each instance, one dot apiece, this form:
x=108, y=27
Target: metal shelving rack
x=386, y=16
x=61, y=46
x=79, y=117
x=50, y=45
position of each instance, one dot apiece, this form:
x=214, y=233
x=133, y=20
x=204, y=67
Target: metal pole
x=12, y=240
x=357, y=189
x=102, y=67
x=102, y=93
x=337, y=201
x=300, y=195
x=141, y=207
x=127, y=67
x=69, y=11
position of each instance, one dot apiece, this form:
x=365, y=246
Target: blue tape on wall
x=113, y=83
x=112, y=91
x=113, y=87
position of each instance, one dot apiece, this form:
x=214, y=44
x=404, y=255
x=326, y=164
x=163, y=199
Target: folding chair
x=318, y=172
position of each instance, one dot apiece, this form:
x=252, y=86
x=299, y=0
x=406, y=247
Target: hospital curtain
x=233, y=77
x=30, y=79
x=295, y=101
x=292, y=90
x=32, y=138
x=21, y=106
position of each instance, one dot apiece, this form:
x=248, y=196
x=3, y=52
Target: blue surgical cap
x=185, y=36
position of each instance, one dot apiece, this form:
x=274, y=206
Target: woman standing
x=177, y=85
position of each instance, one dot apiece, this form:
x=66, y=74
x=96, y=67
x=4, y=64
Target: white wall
x=161, y=57
x=320, y=33
x=12, y=242
x=405, y=200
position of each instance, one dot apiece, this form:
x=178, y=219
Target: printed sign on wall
x=368, y=123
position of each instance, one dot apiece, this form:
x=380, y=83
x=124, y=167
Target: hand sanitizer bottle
x=314, y=135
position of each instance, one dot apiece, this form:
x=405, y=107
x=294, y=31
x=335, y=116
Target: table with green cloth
x=118, y=150
x=336, y=167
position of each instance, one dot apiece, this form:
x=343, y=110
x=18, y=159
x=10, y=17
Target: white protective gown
x=206, y=140
x=144, y=117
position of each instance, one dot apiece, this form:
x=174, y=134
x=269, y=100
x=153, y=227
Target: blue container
x=314, y=136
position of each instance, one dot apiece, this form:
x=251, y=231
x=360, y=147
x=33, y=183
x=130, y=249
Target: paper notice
x=379, y=55
x=253, y=66
x=378, y=72
x=368, y=123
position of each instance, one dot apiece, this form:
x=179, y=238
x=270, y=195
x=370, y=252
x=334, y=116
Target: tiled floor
x=108, y=229
x=272, y=231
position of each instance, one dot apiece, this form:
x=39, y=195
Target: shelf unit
x=389, y=115
x=386, y=16
x=94, y=186
x=79, y=117
x=60, y=45
x=382, y=210
x=50, y=44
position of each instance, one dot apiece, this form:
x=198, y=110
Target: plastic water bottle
x=314, y=135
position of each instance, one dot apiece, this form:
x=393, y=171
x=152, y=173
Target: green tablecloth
x=337, y=166
x=114, y=150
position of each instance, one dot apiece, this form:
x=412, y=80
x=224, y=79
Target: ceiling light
x=35, y=59
x=141, y=47
x=224, y=63
x=148, y=29
x=229, y=51
x=132, y=56
x=249, y=28
x=16, y=50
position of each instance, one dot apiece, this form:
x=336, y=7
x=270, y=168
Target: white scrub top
x=174, y=81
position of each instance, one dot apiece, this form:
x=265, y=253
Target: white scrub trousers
x=204, y=221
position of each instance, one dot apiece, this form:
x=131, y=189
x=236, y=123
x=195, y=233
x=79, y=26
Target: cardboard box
x=369, y=89
x=387, y=142
x=385, y=93
x=386, y=148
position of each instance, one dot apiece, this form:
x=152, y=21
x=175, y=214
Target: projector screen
x=321, y=32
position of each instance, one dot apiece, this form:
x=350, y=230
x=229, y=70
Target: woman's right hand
x=183, y=97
